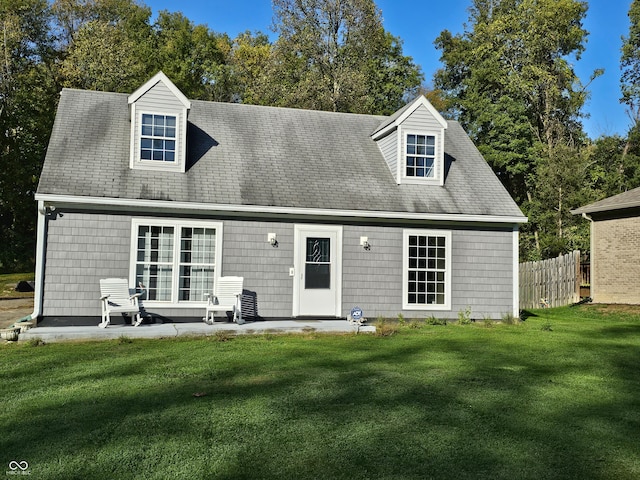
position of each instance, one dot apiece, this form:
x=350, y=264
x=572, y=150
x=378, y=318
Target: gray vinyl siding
x=389, y=149
x=83, y=247
x=265, y=268
x=481, y=277
x=159, y=97
x=372, y=279
x=421, y=120
x=482, y=272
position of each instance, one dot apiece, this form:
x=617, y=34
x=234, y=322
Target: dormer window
x=421, y=155
x=412, y=143
x=158, y=138
x=159, y=126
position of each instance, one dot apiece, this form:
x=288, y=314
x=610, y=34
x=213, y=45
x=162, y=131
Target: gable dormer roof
x=158, y=111
x=160, y=77
x=401, y=115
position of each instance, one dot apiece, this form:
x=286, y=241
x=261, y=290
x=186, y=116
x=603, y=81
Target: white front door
x=317, y=285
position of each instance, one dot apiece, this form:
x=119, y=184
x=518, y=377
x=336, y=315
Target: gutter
x=141, y=205
x=40, y=250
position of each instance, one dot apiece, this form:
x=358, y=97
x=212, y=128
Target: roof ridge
x=295, y=109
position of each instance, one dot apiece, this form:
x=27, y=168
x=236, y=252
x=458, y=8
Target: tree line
x=507, y=78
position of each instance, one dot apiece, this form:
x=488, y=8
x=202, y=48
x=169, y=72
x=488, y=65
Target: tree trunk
x=536, y=236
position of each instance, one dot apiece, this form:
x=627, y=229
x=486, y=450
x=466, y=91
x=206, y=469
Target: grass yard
x=557, y=396
x=8, y=283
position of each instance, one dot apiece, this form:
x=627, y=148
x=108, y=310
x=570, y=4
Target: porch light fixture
x=271, y=238
x=48, y=209
x=364, y=243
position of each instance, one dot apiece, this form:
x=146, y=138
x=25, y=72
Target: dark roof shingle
x=630, y=199
x=264, y=156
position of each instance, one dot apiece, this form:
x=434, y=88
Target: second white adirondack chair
x=226, y=297
x=116, y=298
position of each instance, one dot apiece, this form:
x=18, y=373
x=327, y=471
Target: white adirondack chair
x=116, y=298
x=227, y=296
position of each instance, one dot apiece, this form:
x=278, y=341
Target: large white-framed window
x=421, y=156
x=176, y=260
x=426, y=270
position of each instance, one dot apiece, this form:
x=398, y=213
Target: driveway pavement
x=14, y=309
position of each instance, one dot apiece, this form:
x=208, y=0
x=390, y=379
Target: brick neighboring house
x=615, y=247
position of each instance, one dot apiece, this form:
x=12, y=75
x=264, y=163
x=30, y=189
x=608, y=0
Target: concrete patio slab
x=168, y=330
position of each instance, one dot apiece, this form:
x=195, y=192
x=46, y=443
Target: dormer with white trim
x=159, y=113
x=412, y=143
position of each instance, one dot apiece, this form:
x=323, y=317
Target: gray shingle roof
x=264, y=156
x=630, y=199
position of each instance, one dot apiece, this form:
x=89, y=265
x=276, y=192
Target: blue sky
x=606, y=22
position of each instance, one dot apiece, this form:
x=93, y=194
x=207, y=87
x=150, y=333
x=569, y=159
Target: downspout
x=591, y=255
x=40, y=254
x=516, y=271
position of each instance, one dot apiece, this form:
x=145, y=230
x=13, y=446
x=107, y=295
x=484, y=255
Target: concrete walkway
x=167, y=330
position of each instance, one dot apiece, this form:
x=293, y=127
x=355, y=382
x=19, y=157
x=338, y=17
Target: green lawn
x=8, y=283
x=557, y=396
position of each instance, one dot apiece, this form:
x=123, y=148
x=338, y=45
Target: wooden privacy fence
x=550, y=283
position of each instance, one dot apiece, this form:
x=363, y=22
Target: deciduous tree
x=193, y=56
x=510, y=81
x=630, y=64
x=27, y=103
x=336, y=55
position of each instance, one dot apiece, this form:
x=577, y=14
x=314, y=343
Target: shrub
x=36, y=342
x=510, y=319
x=383, y=329
x=487, y=321
x=464, y=316
x=401, y=320
x=435, y=321
x=222, y=336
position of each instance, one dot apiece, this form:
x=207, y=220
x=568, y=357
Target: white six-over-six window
x=175, y=260
x=158, y=137
x=420, y=158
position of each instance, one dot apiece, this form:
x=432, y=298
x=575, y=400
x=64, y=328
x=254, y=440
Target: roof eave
x=140, y=205
x=604, y=208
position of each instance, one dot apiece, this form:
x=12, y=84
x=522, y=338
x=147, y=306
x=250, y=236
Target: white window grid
x=427, y=270
x=420, y=155
x=176, y=261
x=158, y=137
x=197, y=263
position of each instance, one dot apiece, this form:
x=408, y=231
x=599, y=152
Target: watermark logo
x=18, y=468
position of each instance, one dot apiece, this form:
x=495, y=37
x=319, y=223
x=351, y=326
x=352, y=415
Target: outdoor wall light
x=48, y=209
x=271, y=238
x=364, y=243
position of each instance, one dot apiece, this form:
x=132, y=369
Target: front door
x=318, y=275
